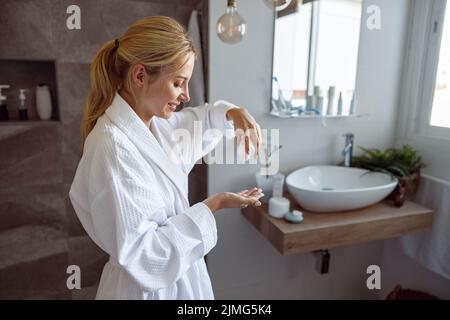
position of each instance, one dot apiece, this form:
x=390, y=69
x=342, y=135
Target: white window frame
x=420, y=71
x=413, y=118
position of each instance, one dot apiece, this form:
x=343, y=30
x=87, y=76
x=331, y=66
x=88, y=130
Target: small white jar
x=278, y=207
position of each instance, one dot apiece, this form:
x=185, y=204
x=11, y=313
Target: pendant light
x=231, y=27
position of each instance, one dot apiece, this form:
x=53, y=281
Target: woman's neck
x=144, y=116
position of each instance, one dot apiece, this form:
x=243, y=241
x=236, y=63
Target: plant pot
x=414, y=182
x=398, y=196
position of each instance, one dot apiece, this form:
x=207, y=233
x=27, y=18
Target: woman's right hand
x=240, y=199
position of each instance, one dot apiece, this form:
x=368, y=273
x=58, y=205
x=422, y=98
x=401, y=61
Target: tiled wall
x=39, y=232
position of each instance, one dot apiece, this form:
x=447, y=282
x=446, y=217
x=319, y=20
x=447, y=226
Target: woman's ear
x=138, y=75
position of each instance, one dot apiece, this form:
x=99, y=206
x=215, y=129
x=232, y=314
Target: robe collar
x=126, y=119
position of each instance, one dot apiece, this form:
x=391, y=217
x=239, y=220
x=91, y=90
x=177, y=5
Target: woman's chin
x=167, y=113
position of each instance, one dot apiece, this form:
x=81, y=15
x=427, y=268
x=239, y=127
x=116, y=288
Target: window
x=440, y=111
x=433, y=101
x=424, y=118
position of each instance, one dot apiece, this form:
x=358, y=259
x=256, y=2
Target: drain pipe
x=322, y=261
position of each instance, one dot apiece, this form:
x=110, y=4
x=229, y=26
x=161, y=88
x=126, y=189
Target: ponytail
x=104, y=83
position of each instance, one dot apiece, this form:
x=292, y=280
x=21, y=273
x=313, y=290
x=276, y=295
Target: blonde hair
x=158, y=42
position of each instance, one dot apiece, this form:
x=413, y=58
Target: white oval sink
x=333, y=188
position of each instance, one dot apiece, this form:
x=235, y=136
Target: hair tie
x=116, y=43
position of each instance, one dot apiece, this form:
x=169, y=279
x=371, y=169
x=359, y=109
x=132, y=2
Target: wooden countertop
x=327, y=230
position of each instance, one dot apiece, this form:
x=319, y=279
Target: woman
x=128, y=193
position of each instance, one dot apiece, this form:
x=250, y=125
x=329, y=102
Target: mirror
x=315, y=58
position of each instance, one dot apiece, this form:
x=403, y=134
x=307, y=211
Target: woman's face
x=161, y=96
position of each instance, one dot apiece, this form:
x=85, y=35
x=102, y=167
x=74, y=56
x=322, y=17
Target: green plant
x=404, y=164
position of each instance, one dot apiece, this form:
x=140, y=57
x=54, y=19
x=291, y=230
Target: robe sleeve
x=211, y=118
x=126, y=216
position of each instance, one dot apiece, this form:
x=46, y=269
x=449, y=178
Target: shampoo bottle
x=319, y=102
x=340, y=104
x=3, y=106
x=331, y=93
x=23, y=113
x=353, y=105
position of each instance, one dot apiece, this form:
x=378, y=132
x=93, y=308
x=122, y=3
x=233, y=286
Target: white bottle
x=43, y=102
x=319, y=101
x=331, y=94
x=309, y=102
x=316, y=95
x=340, y=104
x=353, y=105
x=278, y=184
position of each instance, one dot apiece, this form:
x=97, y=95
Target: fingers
x=248, y=130
x=255, y=140
x=252, y=199
x=243, y=192
x=238, y=139
x=255, y=193
x=250, y=192
x=259, y=138
x=252, y=202
x=247, y=146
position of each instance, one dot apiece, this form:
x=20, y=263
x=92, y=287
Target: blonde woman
x=130, y=191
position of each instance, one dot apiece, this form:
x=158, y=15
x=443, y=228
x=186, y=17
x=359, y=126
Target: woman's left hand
x=246, y=127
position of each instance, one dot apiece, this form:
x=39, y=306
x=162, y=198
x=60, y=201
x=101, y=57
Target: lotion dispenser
x=3, y=106
x=23, y=113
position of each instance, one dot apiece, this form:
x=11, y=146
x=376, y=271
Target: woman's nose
x=185, y=96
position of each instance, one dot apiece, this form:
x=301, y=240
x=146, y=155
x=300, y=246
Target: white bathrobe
x=132, y=199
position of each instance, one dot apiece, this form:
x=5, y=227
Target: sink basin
x=333, y=188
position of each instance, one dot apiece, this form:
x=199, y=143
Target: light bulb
x=231, y=27
x=278, y=4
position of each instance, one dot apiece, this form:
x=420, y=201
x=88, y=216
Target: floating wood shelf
x=322, y=231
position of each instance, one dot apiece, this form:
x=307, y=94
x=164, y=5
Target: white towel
x=196, y=84
x=432, y=249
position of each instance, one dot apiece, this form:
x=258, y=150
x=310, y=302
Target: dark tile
x=197, y=190
x=32, y=205
x=73, y=88
x=100, y=21
x=42, y=278
x=30, y=243
x=33, y=157
x=71, y=149
x=25, y=29
x=73, y=224
x=87, y=293
x=84, y=253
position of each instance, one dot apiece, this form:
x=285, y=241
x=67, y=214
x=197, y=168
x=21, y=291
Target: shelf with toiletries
x=301, y=116
x=330, y=103
x=321, y=231
x=28, y=92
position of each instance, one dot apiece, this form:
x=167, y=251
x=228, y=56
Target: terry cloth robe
x=132, y=199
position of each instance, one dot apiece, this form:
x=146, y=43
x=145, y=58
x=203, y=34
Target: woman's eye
x=177, y=85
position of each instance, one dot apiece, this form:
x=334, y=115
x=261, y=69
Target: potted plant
x=405, y=164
